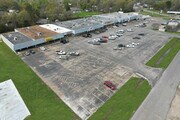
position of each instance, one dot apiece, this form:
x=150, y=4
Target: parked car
x=112, y=37
x=119, y=34
x=42, y=48
x=129, y=30
x=27, y=53
x=124, y=24
x=74, y=53
x=136, y=25
x=110, y=85
x=104, y=36
x=120, y=31
x=61, y=52
x=103, y=40
x=121, y=45
x=117, y=48
x=136, y=37
x=94, y=42
x=134, y=43
x=130, y=46
x=141, y=34
x=32, y=51
x=87, y=35
x=64, y=41
x=64, y=57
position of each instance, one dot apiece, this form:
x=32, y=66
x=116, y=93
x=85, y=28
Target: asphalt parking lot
x=79, y=80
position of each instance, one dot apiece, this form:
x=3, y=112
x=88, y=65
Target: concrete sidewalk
x=158, y=102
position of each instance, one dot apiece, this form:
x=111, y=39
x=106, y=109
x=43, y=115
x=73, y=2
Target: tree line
x=27, y=12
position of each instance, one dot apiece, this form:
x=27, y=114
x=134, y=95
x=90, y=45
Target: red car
x=110, y=85
x=104, y=36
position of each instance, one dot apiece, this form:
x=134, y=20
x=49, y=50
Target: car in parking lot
x=73, y=53
x=64, y=41
x=112, y=37
x=32, y=51
x=86, y=35
x=136, y=37
x=129, y=30
x=94, y=41
x=110, y=85
x=141, y=34
x=27, y=53
x=42, y=48
x=124, y=24
x=120, y=31
x=64, y=57
x=119, y=34
x=104, y=36
x=61, y=52
x=130, y=46
x=103, y=40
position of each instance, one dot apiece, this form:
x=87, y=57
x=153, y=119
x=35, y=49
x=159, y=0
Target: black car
x=64, y=41
x=141, y=34
x=32, y=51
x=136, y=37
x=87, y=35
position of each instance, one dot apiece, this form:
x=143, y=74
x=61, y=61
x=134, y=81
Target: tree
x=24, y=18
x=168, y=4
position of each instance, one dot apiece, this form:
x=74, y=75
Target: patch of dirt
x=174, y=112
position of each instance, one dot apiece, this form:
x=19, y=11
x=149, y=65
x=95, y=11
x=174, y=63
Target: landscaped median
x=165, y=55
x=40, y=100
x=125, y=102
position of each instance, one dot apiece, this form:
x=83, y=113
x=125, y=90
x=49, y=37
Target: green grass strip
x=40, y=100
x=174, y=44
x=125, y=102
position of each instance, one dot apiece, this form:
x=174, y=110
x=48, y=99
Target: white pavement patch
x=157, y=103
x=12, y=106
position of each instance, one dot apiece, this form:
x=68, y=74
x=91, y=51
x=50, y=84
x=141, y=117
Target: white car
x=136, y=25
x=64, y=57
x=130, y=46
x=74, y=53
x=113, y=37
x=61, y=52
x=124, y=24
x=129, y=30
x=42, y=48
x=135, y=43
x=120, y=31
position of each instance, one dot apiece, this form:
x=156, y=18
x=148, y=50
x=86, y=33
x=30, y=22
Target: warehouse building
x=117, y=17
x=29, y=36
x=17, y=41
x=79, y=26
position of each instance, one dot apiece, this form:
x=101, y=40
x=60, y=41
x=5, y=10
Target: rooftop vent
x=10, y=35
x=39, y=34
x=15, y=38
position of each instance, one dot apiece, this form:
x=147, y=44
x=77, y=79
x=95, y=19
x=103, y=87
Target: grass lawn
x=155, y=15
x=40, y=100
x=83, y=14
x=125, y=102
x=174, y=46
x=174, y=33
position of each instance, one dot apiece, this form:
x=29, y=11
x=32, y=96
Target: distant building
x=42, y=21
x=173, y=12
x=173, y=26
x=75, y=9
x=12, y=106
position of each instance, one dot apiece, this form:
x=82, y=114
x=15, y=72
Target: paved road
x=157, y=104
